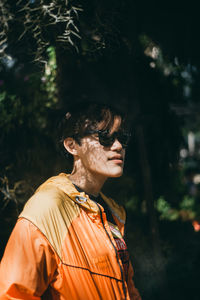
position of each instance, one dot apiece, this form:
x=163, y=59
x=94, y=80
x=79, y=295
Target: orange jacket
x=62, y=248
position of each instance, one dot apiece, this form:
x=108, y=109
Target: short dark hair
x=86, y=116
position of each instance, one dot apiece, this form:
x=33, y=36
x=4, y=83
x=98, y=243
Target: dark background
x=141, y=56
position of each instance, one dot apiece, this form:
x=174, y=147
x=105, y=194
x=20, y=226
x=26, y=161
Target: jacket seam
x=94, y=273
x=43, y=236
x=63, y=263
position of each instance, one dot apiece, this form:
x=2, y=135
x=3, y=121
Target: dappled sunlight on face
x=100, y=160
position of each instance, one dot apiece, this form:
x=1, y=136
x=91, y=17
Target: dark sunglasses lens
x=106, y=140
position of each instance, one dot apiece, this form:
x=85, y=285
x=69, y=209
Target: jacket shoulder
x=52, y=211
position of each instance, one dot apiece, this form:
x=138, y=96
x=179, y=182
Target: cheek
x=98, y=156
x=94, y=156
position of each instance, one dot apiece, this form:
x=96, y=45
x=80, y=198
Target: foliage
x=18, y=194
x=11, y=109
x=37, y=23
x=187, y=210
x=49, y=77
x=27, y=97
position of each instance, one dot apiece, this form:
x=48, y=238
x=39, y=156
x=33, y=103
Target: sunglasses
x=106, y=139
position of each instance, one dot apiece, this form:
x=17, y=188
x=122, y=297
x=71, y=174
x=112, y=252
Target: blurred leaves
x=49, y=78
x=187, y=210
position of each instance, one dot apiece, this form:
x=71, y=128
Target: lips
x=117, y=157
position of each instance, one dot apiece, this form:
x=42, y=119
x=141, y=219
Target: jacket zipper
x=116, y=253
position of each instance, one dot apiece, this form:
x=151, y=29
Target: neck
x=89, y=182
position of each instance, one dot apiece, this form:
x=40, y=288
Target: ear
x=70, y=145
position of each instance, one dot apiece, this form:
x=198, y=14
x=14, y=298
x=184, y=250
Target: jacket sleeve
x=28, y=264
x=133, y=292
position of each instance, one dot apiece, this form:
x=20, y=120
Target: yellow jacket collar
x=63, y=182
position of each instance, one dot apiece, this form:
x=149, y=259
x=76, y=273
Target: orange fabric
x=46, y=260
x=28, y=265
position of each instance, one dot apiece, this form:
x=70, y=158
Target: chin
x=111, y=172
x=116, y=174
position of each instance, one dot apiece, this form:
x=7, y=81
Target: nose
x=116, y=146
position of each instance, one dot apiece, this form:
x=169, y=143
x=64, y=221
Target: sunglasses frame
x=106, y=139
